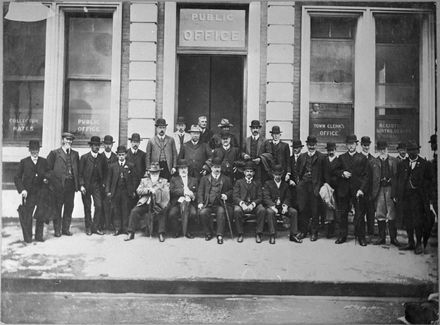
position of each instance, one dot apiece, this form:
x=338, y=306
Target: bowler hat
x=181, y=163
x=67, y=135
x=275, y=129
x=311, y=139
x=180, y=120
x=161, y=122
x=135, y=137
x=277, y=170
x=225, y=123
x=34, y=145
x=381, y=144
x=412, y=145
x=195, y=128
x=121, y=149
x=401, y=145
x=249, y=165
x=154, y=167
x=216, y=161
x=94, y=140
x=365, y=140
x=108, y=139
x=255, y=124
x=352, y=138
x=330, y=146
x=433, y=139
x=297, y=144
x=225, y=134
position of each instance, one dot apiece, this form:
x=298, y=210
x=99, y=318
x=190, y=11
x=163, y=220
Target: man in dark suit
x=109, y=158
x=279, y=149
x=330, y=166
x=214, y=191
x=352, y=185
x=248, y=198
x=92, y=167
x=253, y=148
x=367, y=209
x=137, y=157
x=120, y=188
x=228, y=155
x=205, y=134
x=293, y=178
x=224, y=126
x=63, y=169
x=29, y=180
x=309, y=175
x=276, y=200
x=183, y=190
x=414, y=182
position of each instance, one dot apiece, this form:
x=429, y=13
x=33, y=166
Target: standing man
x=402, y=155
x=205, y=134
x=196, y=153
x=280, y=151
x=64, y=174
x=180, y=136
x=29, y=181
x=120, y=188
x=137, y=157
x=183, y=190
x=109, y=158
x=293, y=179
x=224, y=126
x=161, y=148
x=228, y=155
x=434, y=172
x=352, y=185
x=248, y=198
x=401, y=149
x=214, y=191
x=92, y=167
x=309, y=175
x=253, y=148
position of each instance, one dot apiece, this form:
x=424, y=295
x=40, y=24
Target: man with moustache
x=279, y=150
x=228, y=155
x=224, y=126
x=253, y=148
x=205, y=133
x=161, y=148
x=92, y=167
x=64, y=175
x=180, y=136
x=137, y=157
x=109, y=158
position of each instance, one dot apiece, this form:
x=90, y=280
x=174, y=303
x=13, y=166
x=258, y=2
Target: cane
x=184, y=216
x=227, y=217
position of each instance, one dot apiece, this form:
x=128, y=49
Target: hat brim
x=93, y=142
x=275, y=132
x=160, y=124
x=155, y=170
x=256, y=126
x=108, y=142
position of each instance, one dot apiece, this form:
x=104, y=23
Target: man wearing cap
x=276, y=200
x=253, y=148
x=92, y=168
x=352, y=185
x=64, y=174
x=228, y=155
x=309, y=176
x=109, y=158
x=154, y=196
x=137, y=157
x=29, y=180
x=279, y=150
x=205, y=133
x=248, y=198
x=120, y=187
x=213, y=194
x=368, y=207
x=183, y=190
x=224, y=126
x=384, y=193
x=414, y=182
x=180, y=136
x=196, y=153
x=161, y=148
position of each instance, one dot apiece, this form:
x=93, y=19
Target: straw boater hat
x=225, y=123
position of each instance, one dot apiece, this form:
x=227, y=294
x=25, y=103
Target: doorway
x=212, y=85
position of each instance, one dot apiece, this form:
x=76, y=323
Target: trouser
x=367, y=209
x=185, y=211
x=165, y=172
x=96, y=194
x=271, y=218
x=120, y=203
x=106, y=220
x=309, y=207
x=66, y=199
x=259, y=212
x=143, y=212
x=344, y=205
x=414, y=215
x=26, y=216
x=208, y=219
x=385, y=206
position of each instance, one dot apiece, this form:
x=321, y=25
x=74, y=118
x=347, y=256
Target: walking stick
x=184, y=216
x=227, y=217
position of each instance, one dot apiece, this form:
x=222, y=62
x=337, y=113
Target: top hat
x=365, y=140
x=108, y=139
x=225, y=134
x=275, y=129
x=216, y=161
x=351, y=139
x=94, y=140
x=225, y=123
x=181, y=163
x=180, y=120
x=135, y=137
x=160, y=122
x=195, y=128
x=330, y=146
x=154, y=167
x=297, y=144
x=67, y=135
x=401, y=145
x=255, y=124
x=311, y=139
x=412, y=145
x=121, y=149
x=34, y=145
x=381, y=144
x=433, y=139
x=277, y=170
x=249, y=165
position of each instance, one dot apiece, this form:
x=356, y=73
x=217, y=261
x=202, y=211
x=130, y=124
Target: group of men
x=199, y=175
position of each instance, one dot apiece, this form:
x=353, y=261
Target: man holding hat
x=180, y=136
x=248, y=198
x=228, y=155
x=309, y=176
x=279, y=150
x=162, y=148
x=92, y=168
x=352, y=186
x=214, y=191
x=369, y=202
x=253, y=148
x=120, y=187
x=154, y=196
x=109, y=158
x=183, y=190
x=29, y=180
x=64, y=174
x=224, y=126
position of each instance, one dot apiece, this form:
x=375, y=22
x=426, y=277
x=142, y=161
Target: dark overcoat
x=56, y=162
x=358, y=167
x=177, y=187
x=86, y=165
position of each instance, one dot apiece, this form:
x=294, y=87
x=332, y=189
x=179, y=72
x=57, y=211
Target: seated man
x=154, y=196
x=276, y=199
x=247, y=197
x=213, y=192
x=182, y=192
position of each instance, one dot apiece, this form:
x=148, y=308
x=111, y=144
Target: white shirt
x=311, y=153
x=256, y=138
x=331, y=158
x=34, y=160
x=352, y=153
x=65, y=150
x=412, y=163
x=226, y=148
x=94, y=155
x=248, y=181
x=365, y=153
x=185, y=181
x=122, y=163
x=275, y=142
x=161, y=137
x=133, y=151
x=296, y=156
x=216, y=177
x=108, y=154
x=278, y=183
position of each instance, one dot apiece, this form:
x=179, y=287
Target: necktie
x=181, y=139
x=68, y=151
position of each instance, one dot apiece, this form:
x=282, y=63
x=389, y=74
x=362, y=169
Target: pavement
x=82, y=263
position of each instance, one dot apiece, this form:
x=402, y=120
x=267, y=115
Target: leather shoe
x=189, y=236
x=362, y=241
x=395, y=242
x=161, y=237
x=39, y=239
x=301, y=235
x=295, y=239
x=408, y=247
x=380, y=241
x=314, y=237
x=272, y=239
x=176, y=235
x=67, y=233
x=418, y=250
x=208, y=237
x=98, y=232
x=88, y=232
x=219, y=240
x=57, y=234
x=117, y=233
x=240, y=238
x=341, y=240
x=130, y=236
x=258, y=238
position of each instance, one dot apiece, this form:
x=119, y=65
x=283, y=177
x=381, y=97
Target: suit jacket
x=358, y=167
x=196, y=156
x=113, y=178
x=271, y=192
x=177, y=187
x=206, y=136
x=176, y=137
x=421, y=177
x=205, y=187
x=371, y=161
x=260, y=145
x=281, y=156
x=376, y=173
x=153, y=151
x=330, y=171
x=138, y=160
x=294, y=168
x=244, y=192
x=56, y=162
x=228, y=158
x=113, y=159
x=317, y=160
x=216, y=141
x=86, y=168
x=30, y=176
x=161, y=196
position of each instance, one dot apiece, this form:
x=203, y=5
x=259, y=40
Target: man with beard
x=137, y=157
x=253, y=148
x=180, y=136
x=109, y=158
x=205, y=133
